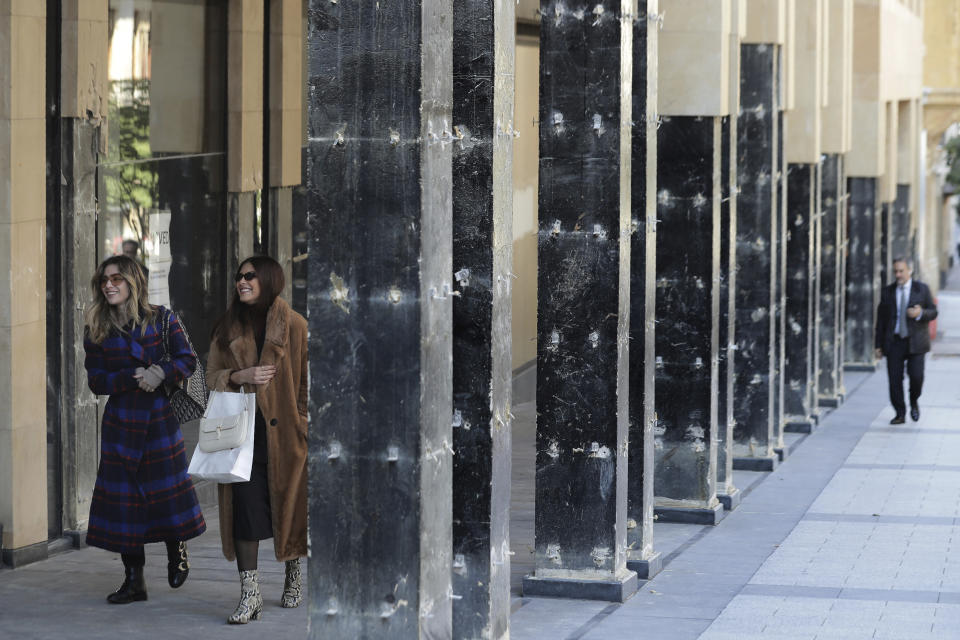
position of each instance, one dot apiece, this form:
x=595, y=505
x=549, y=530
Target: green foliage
x=952, y=147
x=131, y=185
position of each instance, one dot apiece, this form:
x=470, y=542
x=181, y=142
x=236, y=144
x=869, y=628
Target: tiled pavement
x=851, y=537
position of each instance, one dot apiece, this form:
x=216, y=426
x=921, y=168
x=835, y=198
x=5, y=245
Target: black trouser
x=898, y=354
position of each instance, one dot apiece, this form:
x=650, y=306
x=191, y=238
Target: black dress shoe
x=898, y=420
x=915, y=413
x=133, y=588
x=177, y=564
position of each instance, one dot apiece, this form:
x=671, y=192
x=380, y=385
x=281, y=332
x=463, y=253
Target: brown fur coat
x=283, y=403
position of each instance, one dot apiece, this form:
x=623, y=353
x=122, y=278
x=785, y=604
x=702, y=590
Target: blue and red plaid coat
x=143, y=493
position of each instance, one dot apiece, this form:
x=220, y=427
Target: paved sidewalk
x=63, y=597
x=852, y=537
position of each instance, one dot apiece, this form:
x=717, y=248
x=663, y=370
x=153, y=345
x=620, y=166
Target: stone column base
x=614, y=589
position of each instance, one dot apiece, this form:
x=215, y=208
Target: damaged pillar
x=837, y=122
x=727, y=491
x=802, y=140
x=687, y=307
x=689, y=163
x=380, y=439
x=863, y=274
x=641, y=556
x=865, y=165
x=829, y=385
x=583, y=313
x=758, y=133
x=483, y=63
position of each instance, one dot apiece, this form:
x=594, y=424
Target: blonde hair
x=103, y=318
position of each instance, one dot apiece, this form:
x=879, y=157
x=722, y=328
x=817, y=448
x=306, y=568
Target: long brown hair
x=104, y=318
x=240, y=315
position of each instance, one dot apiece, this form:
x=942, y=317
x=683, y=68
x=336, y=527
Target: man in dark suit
x=903, y=335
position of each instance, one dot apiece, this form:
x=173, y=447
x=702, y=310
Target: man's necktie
x=902, y=314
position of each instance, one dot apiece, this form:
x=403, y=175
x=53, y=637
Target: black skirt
x=251, y=500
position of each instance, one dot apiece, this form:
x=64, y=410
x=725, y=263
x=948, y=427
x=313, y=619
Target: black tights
x=246, y=554
x=137, y=558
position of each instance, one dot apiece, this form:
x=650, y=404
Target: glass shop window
x=162, y=168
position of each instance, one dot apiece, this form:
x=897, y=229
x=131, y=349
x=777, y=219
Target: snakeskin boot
x=251, y=602
x=292, y=592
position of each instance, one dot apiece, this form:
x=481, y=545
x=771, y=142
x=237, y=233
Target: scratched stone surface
x=863, y=277
x=483, y=36
x=831, y=312
x=801, y=246
x=727, y=305
x=583, y=284
x=687, y=308
x=756, y=247
x=643, y=264
x=901, y=242
x=380, y=282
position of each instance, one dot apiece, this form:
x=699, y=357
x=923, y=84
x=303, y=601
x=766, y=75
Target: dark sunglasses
x=116, y=280
x=248, y=276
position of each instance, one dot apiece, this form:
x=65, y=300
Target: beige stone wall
x=803, y=122
x=766, y=22
x=84, y=36
x=286, y=92
x=23, y=425
x=838, y=71
x=693, y=77
x=245, y=95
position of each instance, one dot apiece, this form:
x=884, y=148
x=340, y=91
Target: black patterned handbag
x=188, y=399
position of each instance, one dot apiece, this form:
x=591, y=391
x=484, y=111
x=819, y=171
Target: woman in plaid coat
x=143, y=493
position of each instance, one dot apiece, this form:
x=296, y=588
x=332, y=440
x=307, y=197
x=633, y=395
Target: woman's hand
x=254, y=375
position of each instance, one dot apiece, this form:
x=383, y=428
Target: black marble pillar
x=727, y=491
x=687, y=311
x=863, y=274
x=780, y=269
x=756, y=254
x=900, y=224
x=641, y=555
x=831, y=286
x=800, y=281
x=842, y=258
x=886, y=242
x=379, y=303
x=816, y=264
x=483, y=37
x=583, y=303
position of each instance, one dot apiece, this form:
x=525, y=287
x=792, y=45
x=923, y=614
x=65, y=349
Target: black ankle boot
x=177, y=564
x=133, y=588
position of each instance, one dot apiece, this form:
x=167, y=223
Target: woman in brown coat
x=260, y=344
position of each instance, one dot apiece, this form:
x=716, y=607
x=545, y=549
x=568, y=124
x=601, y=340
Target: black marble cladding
x=844, y=250
x=727, y=292
x=801, y=223
x=380, y=319
x=780, y=271
x=886, y=242
x=582, y=323
x=900, y=245
x=831, y=286
x=687, y=309
x=863, y=271
x=756, y=253
x=481, y=357
x=643, y=264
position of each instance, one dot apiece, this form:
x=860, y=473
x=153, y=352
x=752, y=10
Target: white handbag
x=223, y=432
x=224, y=452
